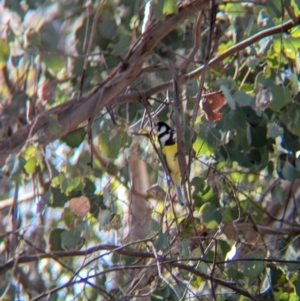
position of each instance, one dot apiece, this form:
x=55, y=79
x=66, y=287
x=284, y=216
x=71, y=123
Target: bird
x=167, y=140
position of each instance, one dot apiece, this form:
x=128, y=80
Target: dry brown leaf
x=80, y=206
x=211, y=103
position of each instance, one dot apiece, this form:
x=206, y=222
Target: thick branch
x=76, y=111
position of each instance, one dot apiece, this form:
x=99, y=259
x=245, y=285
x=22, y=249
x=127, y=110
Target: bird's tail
x=180, y=196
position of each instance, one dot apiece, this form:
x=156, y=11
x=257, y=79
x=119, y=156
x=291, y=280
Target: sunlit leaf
x=74, y=187
x=290, y=44
x=30, y=165
x=170, y=7
x=54, y=62
x=4, y=50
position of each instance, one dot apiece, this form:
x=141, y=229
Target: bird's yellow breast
x=171, y=156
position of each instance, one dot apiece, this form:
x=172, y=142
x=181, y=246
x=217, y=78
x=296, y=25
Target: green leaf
x=198, y=183
x=170, y=7
x=55, y=239
x=49, y=37
x=184, y=249
x=281, y=97
x=54, y=62
x=69, y=217
x=108, y=27
x=290, y=172
x=296, y=284
x=4, y=50
x=104, y=219
x=228, y=96
x=57, y=198
x=274, y=8
x=277, y=194
x=234, y=10
x=243, y=99
x=294, y=83
x=14, y=166
x=74, y=187
x=89, y=186
x=161, y=243
x=224, y=247
x=157, y=7
x=258, y=136
x=257, y=211
x=230, y=213
x=290, y=141
x=113, y=140
x=252, y=269
x=290, y=44
x=71, y=240
x=265, y=82
x=96, y=204
x=153, y=227
x=30, y=152
x=210, y=215
x=121, y=47
x=30, y=165
x=234, y=273
x=284, y=297
x=60, y=181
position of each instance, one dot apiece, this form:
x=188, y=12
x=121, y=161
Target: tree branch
x=77, y=110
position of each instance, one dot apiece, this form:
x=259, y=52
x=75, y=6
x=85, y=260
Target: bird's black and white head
x=165, y=133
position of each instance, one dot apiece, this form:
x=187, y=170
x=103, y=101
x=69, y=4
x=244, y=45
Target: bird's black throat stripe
x=171, y=139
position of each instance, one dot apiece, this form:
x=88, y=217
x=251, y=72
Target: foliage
x=226, y=77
